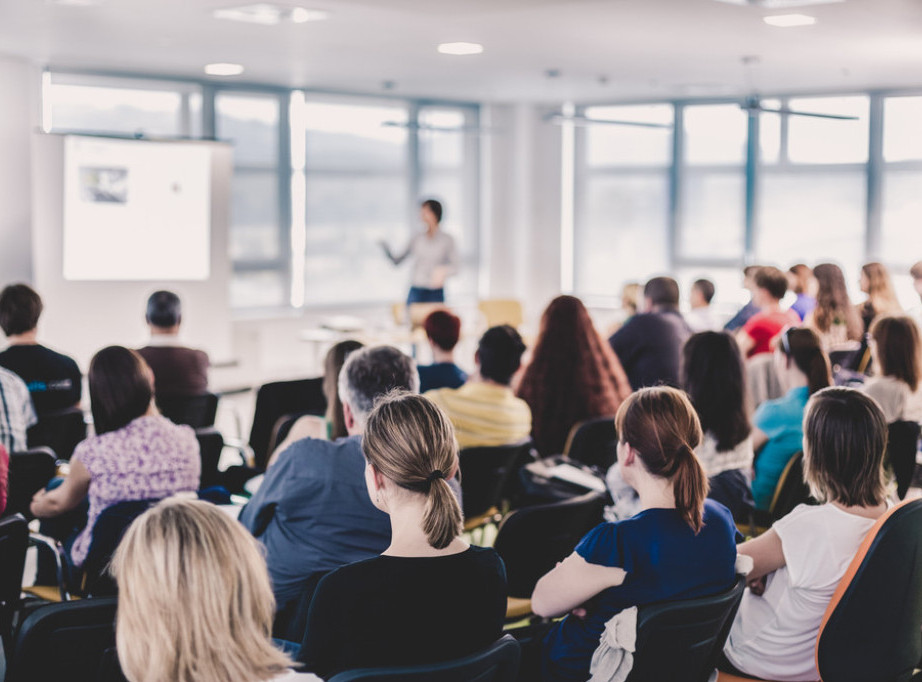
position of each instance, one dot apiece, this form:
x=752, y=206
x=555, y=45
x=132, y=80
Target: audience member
x=743, y=314
x=178, y=370
x=760, y=330
x=875, y=282
x=195, y=603
x=679, y=546
x=381, y=611
x=715, y=380
x=897, y=352
x=312, y=511
x=573, y=375
x=650, y=343
x=701, y=317
x=135, y=455
x=331, y=426
x=835, y=319
x=485, y=411
x=54, y=380
x=802, y=282
x=800, y=561
x=916, y=273
x=443, y=329
x=4, y=477
x=16, y=411
x=803, y=369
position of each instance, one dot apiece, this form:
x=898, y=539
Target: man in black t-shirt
x=54, y=380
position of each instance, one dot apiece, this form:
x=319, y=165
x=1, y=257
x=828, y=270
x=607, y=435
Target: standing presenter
x=434, y=257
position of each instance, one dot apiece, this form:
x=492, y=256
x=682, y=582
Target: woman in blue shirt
x=679, y=546
x=803, y=369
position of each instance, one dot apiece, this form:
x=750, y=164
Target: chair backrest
x=871, y=630
x=107, y=533
x=484, y=471
x=30, y=471
x=498, y=311
x=61, y=431
x=210, y=444
x=531, y=540
x=277, y=399
x=682, y=640
x=593, y=442
x=791, y=490
x=64, y=641
x=197, y=411
x=902, y=445
x=497, y=663
x=14, y=541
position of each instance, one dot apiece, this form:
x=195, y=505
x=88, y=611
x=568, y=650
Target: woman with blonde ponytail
x=430, y=597
x=679, y=546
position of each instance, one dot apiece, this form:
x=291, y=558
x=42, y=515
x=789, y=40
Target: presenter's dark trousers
x=422, y=295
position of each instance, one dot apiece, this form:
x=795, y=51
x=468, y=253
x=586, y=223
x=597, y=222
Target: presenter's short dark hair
x=500, y=353
x=706, y=287
x=662, y=291
x=164, y=309
x=435, y=207
x=20, y=308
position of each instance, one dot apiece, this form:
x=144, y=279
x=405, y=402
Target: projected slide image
x=104, y=185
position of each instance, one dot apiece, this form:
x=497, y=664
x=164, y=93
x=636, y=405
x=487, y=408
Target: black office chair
x=280, y=398
x=497, y=663
x=197, y=411
x=61, y=431
x=211, y=444
x=790, y=491
x=593, y=442
x=14, y=541
x=902, y=446
x=484, y=472
x=30, y=471
x=63, y=641
x=291, y=620
x=531, y=541
x=681, y=640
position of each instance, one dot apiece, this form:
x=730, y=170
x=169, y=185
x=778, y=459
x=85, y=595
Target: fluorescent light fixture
x=268, y=14
x=789, y=20
x=460, y=48
x=779, y=4
x=302, y=15
x=223, y=69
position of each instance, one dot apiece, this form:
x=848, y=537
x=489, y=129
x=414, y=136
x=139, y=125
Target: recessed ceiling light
x=223, y=69
x=268, y=14
x=789, y=20
x=460, y=48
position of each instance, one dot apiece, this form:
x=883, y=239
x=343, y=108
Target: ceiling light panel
x=268, y=14
x=789, y=20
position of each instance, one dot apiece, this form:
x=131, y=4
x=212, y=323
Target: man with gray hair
x=312, y=512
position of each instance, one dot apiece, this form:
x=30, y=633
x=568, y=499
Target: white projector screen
x=136, y=210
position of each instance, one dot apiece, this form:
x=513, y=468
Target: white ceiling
x=604, y=49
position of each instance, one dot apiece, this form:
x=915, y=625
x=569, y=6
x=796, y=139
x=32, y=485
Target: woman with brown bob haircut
x=800, y=561
x=897, y=349
x=679, y=546
x=573, y=375
x=430, y=597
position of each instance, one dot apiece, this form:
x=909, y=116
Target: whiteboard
x=136, y=210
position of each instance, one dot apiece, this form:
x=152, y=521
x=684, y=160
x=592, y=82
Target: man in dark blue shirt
x=312, y=511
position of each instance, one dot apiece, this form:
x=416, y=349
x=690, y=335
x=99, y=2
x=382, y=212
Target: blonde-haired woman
x=875, y=282
x=195, y=603
x=430, y=597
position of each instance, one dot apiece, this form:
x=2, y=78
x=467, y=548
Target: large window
x=901, y=215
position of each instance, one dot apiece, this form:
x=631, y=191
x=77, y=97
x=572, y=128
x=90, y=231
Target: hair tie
x=434, y=476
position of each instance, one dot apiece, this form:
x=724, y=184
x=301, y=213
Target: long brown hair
x=899, y=349
x=833, y=305
x=332, y=365
x=802, y=347
x=661, y=424
x=881, y=296
x=571, y=376
x=412, y=443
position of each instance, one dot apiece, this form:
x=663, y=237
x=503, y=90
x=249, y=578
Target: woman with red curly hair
x=573, y=375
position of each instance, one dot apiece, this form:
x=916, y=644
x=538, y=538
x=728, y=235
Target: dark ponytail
x=661, y=425
x=803, y=346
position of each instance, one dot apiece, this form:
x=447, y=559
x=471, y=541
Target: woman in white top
x=800, y=561
x=195, y=603
x=435, y=257
x=897, y=349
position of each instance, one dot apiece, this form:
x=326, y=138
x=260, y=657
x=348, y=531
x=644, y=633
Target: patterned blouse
x=148, y=458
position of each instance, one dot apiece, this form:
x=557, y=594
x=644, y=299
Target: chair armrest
x=55, y=547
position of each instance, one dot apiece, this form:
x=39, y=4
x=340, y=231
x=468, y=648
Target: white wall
x=20, y=83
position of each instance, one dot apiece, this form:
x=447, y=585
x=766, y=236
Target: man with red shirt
x=758, y=333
